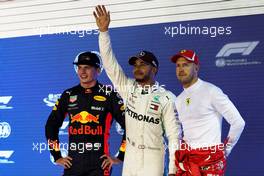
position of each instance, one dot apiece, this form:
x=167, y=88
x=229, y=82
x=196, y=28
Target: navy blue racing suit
x=91, y=113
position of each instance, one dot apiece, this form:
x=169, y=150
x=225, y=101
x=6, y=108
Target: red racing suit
x=201, y=161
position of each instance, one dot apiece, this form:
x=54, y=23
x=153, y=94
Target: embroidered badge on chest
x=73, y=98
x=188, y=101
x=154, y=107
x=156, y=99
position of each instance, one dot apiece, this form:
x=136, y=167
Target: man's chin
x=139, y=79
x=183, y=81
x=86, y=81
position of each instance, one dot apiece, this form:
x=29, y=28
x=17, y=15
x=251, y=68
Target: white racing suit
x=148, y=116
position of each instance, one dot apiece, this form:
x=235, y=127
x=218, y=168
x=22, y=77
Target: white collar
x=193, y=87
x=139, y=88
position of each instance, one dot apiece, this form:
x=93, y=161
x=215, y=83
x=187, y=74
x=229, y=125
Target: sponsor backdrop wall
x=35, y=70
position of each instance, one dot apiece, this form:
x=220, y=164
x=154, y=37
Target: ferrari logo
x=182, y=51
x=188, y=100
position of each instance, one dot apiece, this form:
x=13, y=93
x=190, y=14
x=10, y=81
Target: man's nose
x=137, y=67
x=81, y=70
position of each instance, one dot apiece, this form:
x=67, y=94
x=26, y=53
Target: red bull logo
x=54, y=145
x=85, y=117
x=55, y=106
x=123, y=146
x=87, y=130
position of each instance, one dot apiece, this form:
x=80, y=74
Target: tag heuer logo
x=73, y=98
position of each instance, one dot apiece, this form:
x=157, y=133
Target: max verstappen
x=91, y=111
x=150, y=109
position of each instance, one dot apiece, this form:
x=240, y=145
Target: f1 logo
x=245, y=48
x=4, y=100
x=5, y=129
x=5, y=155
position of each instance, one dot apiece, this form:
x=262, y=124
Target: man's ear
x=155, y=70
x=98, y=70
x=197, y=67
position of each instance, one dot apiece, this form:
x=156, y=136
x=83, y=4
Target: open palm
x=102, y=18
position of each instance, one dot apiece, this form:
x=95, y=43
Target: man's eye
x=144, y=64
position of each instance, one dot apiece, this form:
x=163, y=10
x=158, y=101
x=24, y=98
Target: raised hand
x=102, y=18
